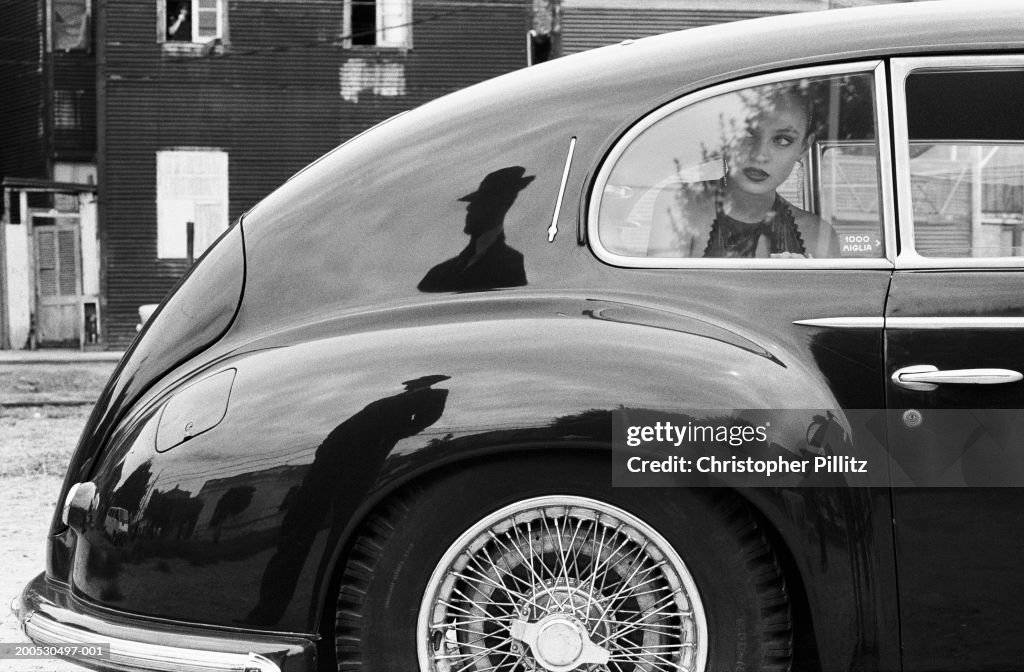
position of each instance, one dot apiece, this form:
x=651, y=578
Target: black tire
x=706, y=542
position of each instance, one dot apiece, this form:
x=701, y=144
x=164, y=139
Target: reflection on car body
x=352, y=440
x=116, y=523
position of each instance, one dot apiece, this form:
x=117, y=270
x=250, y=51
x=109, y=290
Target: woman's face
x=764, y=156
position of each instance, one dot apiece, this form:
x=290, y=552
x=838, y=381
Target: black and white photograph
x=512, y=335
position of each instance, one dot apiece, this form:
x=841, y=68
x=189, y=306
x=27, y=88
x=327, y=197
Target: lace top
x=733, y=238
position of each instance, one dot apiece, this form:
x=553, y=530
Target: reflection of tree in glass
x=687, y=194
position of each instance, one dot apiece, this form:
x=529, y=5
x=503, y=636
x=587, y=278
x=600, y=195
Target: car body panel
x=957, y=313
x=963, y=538
x=677, y=354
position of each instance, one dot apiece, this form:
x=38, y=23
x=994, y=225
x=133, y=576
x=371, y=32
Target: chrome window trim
x=885, y=176
x=900, y=69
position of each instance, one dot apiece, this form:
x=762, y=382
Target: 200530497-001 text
x=25, y=650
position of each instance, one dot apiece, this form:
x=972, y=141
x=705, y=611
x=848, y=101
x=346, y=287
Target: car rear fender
x=328, y=420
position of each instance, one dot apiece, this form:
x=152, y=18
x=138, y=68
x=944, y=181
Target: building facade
x=49, y=260
x=185, y=114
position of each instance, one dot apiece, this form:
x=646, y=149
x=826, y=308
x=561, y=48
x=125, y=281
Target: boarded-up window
x=192, y=186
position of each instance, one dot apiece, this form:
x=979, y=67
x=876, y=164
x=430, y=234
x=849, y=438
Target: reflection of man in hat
x=487, y=262
x=355, y=451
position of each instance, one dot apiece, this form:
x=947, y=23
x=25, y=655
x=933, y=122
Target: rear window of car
x=682, y=185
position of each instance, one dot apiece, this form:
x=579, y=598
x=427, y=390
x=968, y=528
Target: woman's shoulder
x=800, y=216
x=819, y=238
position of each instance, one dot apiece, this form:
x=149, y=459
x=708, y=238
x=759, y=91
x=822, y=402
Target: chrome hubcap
x=559, y=643
x=557, y=584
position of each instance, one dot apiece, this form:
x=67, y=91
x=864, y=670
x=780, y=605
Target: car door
x=954, y=331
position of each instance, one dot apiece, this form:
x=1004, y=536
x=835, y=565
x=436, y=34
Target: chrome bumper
x=46, y=621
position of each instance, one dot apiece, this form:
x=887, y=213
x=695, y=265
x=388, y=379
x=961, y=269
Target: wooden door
x=58, y=280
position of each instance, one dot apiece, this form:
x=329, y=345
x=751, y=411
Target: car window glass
x=782, y=170
x=967, y=162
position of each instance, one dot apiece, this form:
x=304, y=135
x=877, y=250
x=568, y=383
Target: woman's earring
x=725, y=170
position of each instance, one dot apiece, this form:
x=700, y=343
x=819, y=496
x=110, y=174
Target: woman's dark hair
x=796, y=95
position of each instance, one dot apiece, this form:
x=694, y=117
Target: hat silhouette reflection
x=487, y=262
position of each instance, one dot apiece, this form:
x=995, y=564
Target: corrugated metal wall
x=22, y=77
x=590, y=27
x=283, y=92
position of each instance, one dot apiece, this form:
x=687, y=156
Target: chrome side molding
x=844, y=322
x=954, y=323
x=906, y=323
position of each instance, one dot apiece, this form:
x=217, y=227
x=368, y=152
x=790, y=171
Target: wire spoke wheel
x=555, y=584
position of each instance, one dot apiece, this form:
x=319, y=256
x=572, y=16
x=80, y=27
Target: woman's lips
x=755, y=174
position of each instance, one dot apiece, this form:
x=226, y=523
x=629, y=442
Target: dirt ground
x=52, y=383
x=36, y=443
x=27, y=503
x=38, y=440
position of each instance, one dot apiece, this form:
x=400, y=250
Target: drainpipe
x=5, y=321
x=100, y=15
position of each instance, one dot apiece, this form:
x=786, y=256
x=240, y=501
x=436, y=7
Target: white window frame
x=195, y=7
x=178, y=203
x=393, y=25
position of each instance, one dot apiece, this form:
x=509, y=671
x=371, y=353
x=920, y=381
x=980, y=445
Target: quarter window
x=967, y=162
x=787, y=169
x=192, y=186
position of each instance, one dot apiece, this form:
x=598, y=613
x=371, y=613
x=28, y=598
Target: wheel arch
x=806, y=648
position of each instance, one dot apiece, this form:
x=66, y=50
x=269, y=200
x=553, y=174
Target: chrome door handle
x=926, y=377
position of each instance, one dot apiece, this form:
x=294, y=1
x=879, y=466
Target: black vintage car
x=698, y=352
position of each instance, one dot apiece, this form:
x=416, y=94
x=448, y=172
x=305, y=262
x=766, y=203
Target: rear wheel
x=525, y=570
